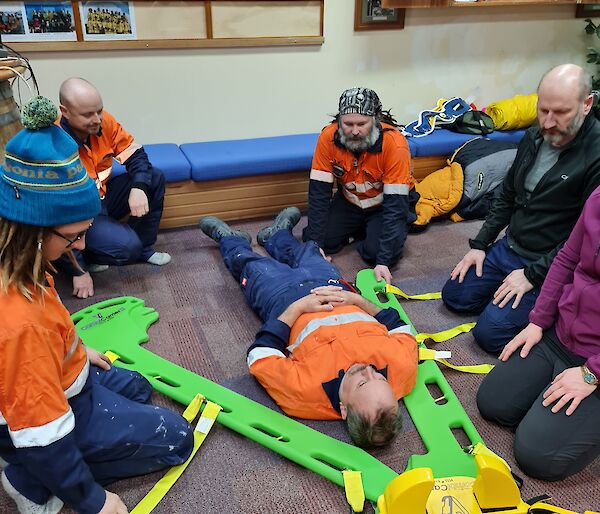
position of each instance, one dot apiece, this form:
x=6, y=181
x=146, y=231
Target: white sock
x=26, y=506
x=159, y=258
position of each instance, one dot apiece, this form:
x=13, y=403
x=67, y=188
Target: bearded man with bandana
x=363, y=151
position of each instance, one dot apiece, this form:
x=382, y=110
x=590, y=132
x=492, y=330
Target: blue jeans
x=118, y=433
x=271, y=284
x=495, y=326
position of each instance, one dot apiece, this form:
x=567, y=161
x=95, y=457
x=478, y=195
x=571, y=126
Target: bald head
x=568, y=78
x=564, y=100
x=76, y=90
x=81, y=105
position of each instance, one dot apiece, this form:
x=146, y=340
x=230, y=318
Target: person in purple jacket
x=549, y=390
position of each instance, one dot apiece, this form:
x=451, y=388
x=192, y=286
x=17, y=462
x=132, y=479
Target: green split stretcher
x=120, y=325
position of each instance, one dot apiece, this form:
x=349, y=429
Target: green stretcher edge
x=106, y=326
x=433, y=421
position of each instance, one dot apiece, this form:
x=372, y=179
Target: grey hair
x=369, y=434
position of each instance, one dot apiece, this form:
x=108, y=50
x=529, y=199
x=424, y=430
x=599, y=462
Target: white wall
x=179, y=96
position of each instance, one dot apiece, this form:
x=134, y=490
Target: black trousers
x=346, y=220
x=547, y=446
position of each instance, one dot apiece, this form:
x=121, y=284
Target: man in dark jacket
x=556, y=168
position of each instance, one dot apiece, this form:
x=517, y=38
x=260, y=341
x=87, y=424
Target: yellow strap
x=399, y=292
x=482, y=449
x=355, y=493
x=542, y=506
x=477, y=369
x=439, y=337
x=112, y=356
x=161, y=488
x=426, y=354
x=191, y=411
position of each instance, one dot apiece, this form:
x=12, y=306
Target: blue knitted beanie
x=42, y=180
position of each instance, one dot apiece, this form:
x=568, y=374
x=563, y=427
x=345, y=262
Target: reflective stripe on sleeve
x=396, y=189
x=73, y=346
x=128, y=152
x=328, y=321
x=44, y=435
x=75, y=388
x=321, y=176
x=262, y=352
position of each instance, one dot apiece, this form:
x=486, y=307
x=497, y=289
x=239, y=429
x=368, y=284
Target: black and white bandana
x=360, y=100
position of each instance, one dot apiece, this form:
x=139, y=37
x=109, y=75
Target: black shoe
x=217, y=229
x=288, y=218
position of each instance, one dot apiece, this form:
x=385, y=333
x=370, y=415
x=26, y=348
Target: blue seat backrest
x=249, y=157
x=168, y=158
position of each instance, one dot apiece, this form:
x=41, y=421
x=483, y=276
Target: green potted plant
x=593, y=57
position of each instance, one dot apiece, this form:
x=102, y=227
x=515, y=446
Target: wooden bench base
x=251, y=197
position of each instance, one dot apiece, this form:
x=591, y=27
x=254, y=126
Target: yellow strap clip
x=355, y=493
x=426, y=296
x=425, y=354
x=205, y=423
x=112, y=356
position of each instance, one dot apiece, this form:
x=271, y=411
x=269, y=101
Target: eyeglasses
x=78, y=237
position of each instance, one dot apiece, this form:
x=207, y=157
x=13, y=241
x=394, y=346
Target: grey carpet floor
x=206, y=326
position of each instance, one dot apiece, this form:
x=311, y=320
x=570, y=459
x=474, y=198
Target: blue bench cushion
x=168, y=158
x=249, y=157
x=444, y=142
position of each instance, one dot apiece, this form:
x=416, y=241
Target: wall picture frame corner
x=370, y=15
x=587, y=10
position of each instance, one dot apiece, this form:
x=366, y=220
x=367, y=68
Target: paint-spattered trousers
x=118, y=434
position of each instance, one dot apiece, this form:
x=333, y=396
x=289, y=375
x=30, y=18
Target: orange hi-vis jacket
x=45, y=392
x=379, y=177
x=97, y=154
x=43, y=364
x=365, y=178
x=320, y=347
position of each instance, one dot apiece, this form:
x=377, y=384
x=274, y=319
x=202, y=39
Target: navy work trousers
x=346, y=220
x=110, y=242
x=123, y=437
x=548, y=446
x=496, y=326
x=271, y=284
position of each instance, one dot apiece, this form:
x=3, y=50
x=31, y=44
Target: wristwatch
x=588, y=376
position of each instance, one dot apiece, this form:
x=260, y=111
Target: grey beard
x=571, y=130
x=360, y=145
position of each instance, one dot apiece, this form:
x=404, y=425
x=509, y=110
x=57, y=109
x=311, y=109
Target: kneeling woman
x=69, y=422
x=549, y=390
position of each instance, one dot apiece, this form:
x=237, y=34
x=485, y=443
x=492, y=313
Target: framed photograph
x=50, y=21
x=101, y=21
x=587, y=11
x=369, y=15
x=13, y=22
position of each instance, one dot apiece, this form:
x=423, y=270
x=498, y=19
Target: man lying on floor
x=323, y=352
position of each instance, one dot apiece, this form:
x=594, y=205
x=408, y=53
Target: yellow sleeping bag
x=440, y=193
x=513, y=113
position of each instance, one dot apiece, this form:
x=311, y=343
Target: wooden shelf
x=407, y=4
x=59, y=46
